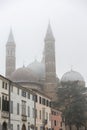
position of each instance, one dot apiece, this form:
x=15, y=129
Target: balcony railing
x=4, y=114
x=24, y=118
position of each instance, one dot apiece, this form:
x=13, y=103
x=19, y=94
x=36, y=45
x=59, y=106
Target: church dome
x=38, y=68
x=23, y=75
x=72, y=76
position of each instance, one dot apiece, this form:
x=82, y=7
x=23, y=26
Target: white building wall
x=17, y=119
x=17, y=98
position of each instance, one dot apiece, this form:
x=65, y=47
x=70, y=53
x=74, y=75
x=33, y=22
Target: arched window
x=4, y=126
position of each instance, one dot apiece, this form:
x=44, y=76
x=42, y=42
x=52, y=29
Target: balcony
x=24, y=118
x=5, y=114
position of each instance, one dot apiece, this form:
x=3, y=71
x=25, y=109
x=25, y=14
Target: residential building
x=43, y=111
x=56, y=119
x=21, y=113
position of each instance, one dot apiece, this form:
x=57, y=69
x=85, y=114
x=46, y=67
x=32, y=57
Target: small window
x=28, y=95
x=3, y=84
x=40, y=100
x=2, y=97
x=18, y=91
x=18, y=127
x=47, y=103
x=6, y=98
x=23, y=93
x=36, y=100
x=43, y=101
x=6, y=86
x=54, y=122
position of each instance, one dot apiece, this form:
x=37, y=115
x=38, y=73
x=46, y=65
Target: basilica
x=38, y=75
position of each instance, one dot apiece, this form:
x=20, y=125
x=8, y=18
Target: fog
x=29, y=20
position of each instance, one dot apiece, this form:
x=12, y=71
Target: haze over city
x=29, y=21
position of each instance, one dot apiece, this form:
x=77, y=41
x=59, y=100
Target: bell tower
x=50, y=66
x=10, y=55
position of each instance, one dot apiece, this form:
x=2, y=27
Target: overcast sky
x=29, y=20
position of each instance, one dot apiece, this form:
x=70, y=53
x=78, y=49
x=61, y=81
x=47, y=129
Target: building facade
x=21, y=113
x=43, y=111
x=56, y=119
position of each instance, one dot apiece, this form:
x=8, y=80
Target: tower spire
x=49, y=33
x=10, y=55
x=50, y=65
x=10, y=38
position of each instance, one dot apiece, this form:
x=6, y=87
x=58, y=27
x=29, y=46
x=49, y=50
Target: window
x=18, y=128
x=3, y=84
x=6, y=86
x=23, y=108
x=28, y=111
x=47, y=103
x=43, y=101
x=40, y=100
x=5, y=104
x=28, y=95
x=36, y=100
x=18, y=91
x=54, y=122
x=17, y=108
x=23, y=93
x=11, y=107
x=40, y=114
x=5, y=97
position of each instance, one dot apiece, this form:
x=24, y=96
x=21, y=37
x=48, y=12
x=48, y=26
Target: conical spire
x=49, y=34
x=10, y=38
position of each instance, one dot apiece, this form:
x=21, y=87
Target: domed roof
x=72, y=76
x=38, y=68
x=23, y=75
